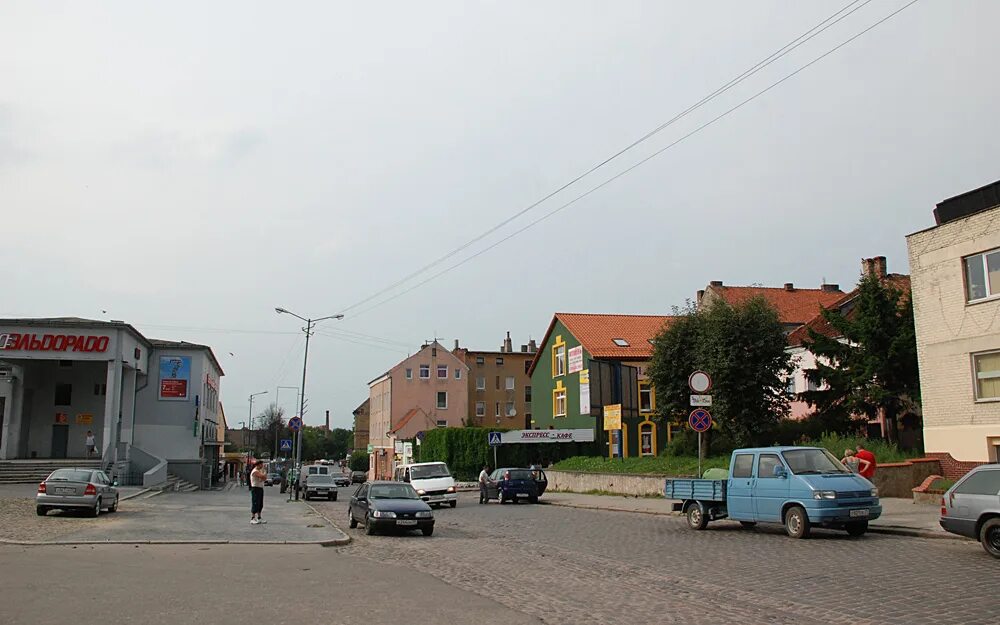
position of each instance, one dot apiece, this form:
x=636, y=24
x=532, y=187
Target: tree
x=271, y=426
x=359, y=461
x=319, y=443
x=743, y=348
x=869, y=366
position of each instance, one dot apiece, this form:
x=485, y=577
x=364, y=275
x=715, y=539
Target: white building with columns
x=149, y=404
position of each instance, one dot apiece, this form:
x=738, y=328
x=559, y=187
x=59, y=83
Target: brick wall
x=951, y=468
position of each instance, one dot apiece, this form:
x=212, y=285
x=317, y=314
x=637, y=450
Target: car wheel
x=428, y=531
x=748, y=524
x=797, y=522
x=696, y=518
x=369, y=528
x=503, y=498
x=114, y=506
x=858, y=528
x=989, y=535
x=453, y=503
x=96, y=511
x=334, y=497
x=533, y=499
x=350, y=520
x=41, y=510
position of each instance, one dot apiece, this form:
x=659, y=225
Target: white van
x=432, y=481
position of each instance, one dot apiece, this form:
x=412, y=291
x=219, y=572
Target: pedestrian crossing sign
x=494, y=439
x=286, y=444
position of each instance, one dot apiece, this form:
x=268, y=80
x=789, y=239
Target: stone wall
x=898, y=479
x=618, y=483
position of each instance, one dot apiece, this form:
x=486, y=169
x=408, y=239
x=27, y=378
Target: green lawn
x=662, y=465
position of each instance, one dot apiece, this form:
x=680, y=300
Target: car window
x=71, y=475
x=520, y=474
x=361, y=492
x=429, y=471
x=743, y=465
x=766, y=464
x=980, y=483
x=813, y=461
x=320, y=479
x=393, y=491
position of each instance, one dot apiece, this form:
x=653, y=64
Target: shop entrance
x=60, y=440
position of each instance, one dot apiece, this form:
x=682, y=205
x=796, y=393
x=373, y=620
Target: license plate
x=405, y=522
x=64, y=491
x=857, y=513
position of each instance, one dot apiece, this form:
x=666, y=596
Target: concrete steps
x=175, y=483
x=33, y=471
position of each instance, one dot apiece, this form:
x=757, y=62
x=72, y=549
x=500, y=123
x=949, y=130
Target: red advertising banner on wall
x=53, y=342
x=174, y=389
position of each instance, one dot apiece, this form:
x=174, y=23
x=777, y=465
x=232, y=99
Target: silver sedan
x=77, y=489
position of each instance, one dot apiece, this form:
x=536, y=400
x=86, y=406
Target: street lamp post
x=252, y=395
x=302, y=393
x=277, y=393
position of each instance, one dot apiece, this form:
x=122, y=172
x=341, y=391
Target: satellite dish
x=512, y=412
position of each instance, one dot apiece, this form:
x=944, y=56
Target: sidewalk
x=899, y=516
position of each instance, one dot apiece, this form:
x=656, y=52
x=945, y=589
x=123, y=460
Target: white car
x=432, y=481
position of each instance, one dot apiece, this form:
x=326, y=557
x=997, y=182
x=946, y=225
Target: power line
x=641, y=162
x=372, y=345
x=774, y=56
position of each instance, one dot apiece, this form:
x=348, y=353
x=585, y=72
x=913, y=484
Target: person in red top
x=867, y=471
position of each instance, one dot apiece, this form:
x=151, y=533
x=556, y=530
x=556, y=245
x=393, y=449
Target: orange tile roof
x=412, y=412
x=820, y=325
x=794, y=306
x=597, y=333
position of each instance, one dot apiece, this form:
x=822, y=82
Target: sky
x=187, y=167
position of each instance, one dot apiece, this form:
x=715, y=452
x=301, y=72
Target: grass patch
x=884, y=452
x=942, y=484
x=662, y=465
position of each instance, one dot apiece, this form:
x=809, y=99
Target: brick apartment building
x=361, y=418
x=499, y=385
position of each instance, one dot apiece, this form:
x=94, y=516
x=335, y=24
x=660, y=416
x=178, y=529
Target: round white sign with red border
x=699, y=382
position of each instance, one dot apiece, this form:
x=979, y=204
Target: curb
x=134, y=495
x=61, y=543
x=346, y=540
x=606, y=509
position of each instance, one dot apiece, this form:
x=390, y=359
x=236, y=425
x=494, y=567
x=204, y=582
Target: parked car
x=509, y=484
x=342, y=479
x=971, y=507
x=359, y=477
x=797, y=486
x=539, y=474
x=432, y=481
x=319, y=485
x=77, y=489
x=389, y=505
x=272, y=479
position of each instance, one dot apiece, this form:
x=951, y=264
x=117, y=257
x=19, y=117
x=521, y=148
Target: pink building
x=431, y=385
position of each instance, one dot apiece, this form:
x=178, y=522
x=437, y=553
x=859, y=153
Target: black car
x=511, y=483
x=359, y=477
x=389, y=505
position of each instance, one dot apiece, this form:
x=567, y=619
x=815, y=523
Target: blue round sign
x=295, y=424
x=700, y=420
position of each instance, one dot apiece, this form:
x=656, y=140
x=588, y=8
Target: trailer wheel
x=696, y=518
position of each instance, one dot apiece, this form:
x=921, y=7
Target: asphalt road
x=567, y=565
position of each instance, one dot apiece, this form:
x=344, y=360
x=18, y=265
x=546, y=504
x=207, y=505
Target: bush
x=662, y=465
x=884, y=451
x=359, y=461
x=685, y=443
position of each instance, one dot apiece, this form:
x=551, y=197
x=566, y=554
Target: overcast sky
x=188, y=166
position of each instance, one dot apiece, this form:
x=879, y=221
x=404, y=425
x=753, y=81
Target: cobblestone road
x=567, y=565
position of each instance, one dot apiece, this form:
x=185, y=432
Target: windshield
x=813, y=462
x=320, y=479
x=520, y=474
x=393, y=491
x=70, y=475
x=429, y=471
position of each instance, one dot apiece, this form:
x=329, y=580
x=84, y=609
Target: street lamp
x=277, y=393
x=305, y=363
x=252, y=395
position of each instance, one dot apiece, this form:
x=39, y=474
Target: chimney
x=327, y=420
x=508, y=345
x=829, y=287
x=532, y=346
x=700, y=295
x=715, y=283
x=456, y=345
x=873, y=267
x=789, y=286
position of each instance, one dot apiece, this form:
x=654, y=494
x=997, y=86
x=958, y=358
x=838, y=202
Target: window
x=559, y=402
x=480, y=361
x=442, y=371
x=790, y=385
x=458, y=373
x=425, y=372
x=480, y=409
x=620, y=342
x=499, y=361
x=527, y=365
x=811, y=384
x=497, y=412
x=64, y=395
x=442, y=399
x=434, y=351
x=646, y=402
x=766, y=465
x=498, y=383
x=509, y=383
x=559, y=360
x=980, y=483
x=646, y=447
x=510, y=412
x=987, y=371
x=409, y=374
x=441, y=423
x=982, y=275
x=527, y=394
x=743, y=465
x=480, y=383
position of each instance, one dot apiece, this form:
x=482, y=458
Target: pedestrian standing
x=852, y=462
x=257, y=477
x=484, y=479
x=866, y=471
x=91, y=444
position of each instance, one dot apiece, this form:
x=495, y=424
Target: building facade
x=955, y=274
x=795, y=305
x=361, y=421
x=145, y=401
x=499, y=387
x=588, y=361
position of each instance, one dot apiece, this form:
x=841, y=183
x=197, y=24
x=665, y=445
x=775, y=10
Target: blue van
x=799, y=487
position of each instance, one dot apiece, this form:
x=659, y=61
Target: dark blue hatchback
x=513, y=484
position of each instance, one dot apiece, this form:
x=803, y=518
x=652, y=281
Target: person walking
x=91, y=444
x=484, y=480
x=257, y=477
x=866, y=471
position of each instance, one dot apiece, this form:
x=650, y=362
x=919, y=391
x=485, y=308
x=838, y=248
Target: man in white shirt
x=484, y=479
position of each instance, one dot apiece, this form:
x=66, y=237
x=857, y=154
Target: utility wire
x=641, y=162
x=774, y=56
